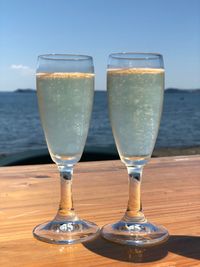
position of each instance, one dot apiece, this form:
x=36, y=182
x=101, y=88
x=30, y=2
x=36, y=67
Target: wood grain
x=29, y=195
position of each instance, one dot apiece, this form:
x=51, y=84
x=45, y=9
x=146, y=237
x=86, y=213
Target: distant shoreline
x=177, y=90
x=167, y=90
x=27, y=90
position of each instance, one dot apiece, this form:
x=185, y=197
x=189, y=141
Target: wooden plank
x=171, y=196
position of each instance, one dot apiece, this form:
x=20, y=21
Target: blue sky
x=99, y=27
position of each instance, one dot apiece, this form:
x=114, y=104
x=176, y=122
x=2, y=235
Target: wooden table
x=29, y=195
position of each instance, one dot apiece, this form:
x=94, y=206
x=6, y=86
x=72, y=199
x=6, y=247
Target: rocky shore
x=41, y=156
x=176, y=151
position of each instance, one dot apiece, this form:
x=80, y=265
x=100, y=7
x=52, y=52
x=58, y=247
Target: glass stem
x=66, y=209
x=134, y=209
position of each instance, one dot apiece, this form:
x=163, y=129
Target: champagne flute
x=65, y=90
x=135, y=84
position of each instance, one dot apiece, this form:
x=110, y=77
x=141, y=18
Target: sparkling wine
x=135, y=104
x=65, y=103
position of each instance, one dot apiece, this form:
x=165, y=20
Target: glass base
x=66, y=232
x=139, y=234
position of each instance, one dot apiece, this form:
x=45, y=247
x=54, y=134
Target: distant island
x=167, y=90
x=176, y=90
x=25, y=90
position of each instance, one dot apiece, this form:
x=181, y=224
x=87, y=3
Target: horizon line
x=34, y=89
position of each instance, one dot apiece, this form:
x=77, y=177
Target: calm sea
x=20, y=128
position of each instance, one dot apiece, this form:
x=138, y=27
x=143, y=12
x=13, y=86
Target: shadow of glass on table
x=187, y=246
x=126, y=253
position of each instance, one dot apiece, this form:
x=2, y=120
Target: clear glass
x=135, y=85
x=65, y=90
